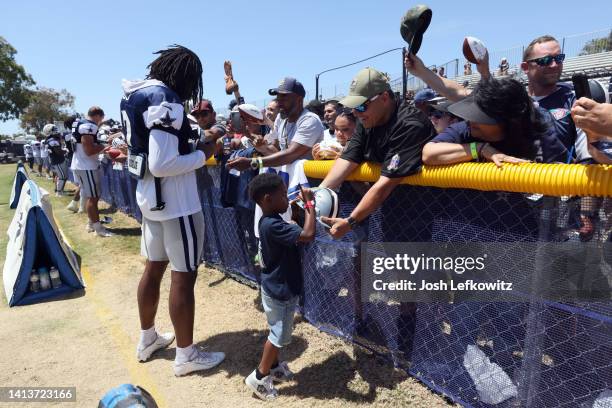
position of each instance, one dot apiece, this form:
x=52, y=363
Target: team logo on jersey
x=167, y=120
x=394, y=163
x=559, y=113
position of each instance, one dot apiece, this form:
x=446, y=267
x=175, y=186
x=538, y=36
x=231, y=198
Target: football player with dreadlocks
x=161, y=157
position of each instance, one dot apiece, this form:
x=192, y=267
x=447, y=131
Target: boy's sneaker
x=200, y=360
x=73, y=206
x=263, y=388
x=143, y=352
x=90, y=227
x=282, y=373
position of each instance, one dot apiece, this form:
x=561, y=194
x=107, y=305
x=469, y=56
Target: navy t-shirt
x=281, y=277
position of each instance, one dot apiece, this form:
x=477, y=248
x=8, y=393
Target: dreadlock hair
x=181, y=70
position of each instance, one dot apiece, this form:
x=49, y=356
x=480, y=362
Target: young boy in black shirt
x=281, y=277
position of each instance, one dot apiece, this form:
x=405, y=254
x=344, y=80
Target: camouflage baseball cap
x=367, y=84
x=413, y=26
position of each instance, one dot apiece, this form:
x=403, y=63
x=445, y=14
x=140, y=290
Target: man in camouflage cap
x=391, y=133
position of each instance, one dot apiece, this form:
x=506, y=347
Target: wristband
x=309, y=204
x=474, y=151
x=480, y=149
x=260, y=162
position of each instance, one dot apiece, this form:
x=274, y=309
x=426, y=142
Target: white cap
x=251, y=110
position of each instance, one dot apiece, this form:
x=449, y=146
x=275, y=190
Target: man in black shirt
x=390, y=132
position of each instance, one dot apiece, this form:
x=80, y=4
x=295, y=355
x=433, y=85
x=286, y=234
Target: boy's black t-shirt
x=281, y=277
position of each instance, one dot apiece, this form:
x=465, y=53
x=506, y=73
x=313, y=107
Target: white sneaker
x=282, y=373
x=162, y=341
x=200, y=360
x=102, y=232
x=263, y=388
x=73, y=206
x=90, y=227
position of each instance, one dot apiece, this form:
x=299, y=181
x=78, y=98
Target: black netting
x=526, y=352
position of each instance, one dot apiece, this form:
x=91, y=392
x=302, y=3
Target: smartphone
x=581, y=86
x=236, y=121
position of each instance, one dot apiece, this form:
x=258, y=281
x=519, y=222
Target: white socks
x=183, y=354
x=148, y=336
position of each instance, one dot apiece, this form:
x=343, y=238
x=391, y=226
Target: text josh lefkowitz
x=441, y=285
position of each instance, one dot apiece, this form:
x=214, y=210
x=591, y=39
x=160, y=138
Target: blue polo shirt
x=281, y=277
x=559, y=105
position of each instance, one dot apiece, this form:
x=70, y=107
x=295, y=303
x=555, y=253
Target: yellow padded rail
x=547, y=179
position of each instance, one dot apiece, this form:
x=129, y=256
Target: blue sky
x=88, y=47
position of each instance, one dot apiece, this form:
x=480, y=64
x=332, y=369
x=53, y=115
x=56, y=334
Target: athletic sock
x=184, y=354
x=259, y=375
x=148, y=336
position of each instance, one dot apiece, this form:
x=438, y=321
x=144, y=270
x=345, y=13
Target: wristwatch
x=352, y=222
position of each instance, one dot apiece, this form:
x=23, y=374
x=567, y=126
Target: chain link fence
x=528, y=351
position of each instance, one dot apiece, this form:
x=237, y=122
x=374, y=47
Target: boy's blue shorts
x=280, y=318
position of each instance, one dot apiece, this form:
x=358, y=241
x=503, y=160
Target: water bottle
x=55, y=277
x=34, y=281
x=45, y=280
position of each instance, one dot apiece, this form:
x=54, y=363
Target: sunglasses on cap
x=364, y=106
x=547, y=60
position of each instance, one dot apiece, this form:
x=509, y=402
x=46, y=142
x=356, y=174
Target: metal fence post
x=563, y=46
x=404, y=75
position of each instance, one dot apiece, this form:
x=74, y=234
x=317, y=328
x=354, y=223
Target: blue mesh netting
x=508, y=354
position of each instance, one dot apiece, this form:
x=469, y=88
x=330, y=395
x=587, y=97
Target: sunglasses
x=364, y=106
x=547, y=60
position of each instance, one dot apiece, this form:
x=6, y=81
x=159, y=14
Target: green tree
x=46, y=106
x=14, y=83
x=596, y=45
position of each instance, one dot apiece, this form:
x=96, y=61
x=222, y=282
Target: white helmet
x=326, y=203
x=50, y=129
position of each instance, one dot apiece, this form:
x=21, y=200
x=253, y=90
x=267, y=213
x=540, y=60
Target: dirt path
x=88, y=340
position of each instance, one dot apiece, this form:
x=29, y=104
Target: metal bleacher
x=597, y=65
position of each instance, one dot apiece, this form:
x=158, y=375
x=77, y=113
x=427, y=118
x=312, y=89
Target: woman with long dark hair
x=502, y=124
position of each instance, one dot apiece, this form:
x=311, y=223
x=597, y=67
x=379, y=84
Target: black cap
x=288, y=85
x=442, y=106
x=468, y=109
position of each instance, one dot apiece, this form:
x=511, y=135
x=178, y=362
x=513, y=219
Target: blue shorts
x=280, y=318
